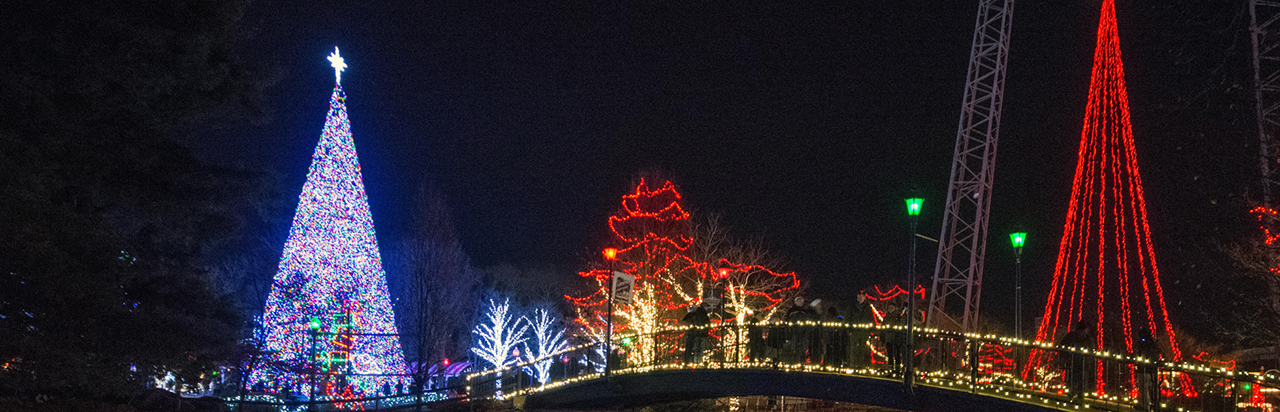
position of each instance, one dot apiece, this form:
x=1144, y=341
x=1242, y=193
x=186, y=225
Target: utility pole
x=958, y=274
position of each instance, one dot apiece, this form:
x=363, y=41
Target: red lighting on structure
x=893, y=292
x=445, y=361
x=655, y=239
x=1229, y=364
x=1106, y=272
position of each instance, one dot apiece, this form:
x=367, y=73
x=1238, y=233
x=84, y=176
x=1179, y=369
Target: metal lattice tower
x=957, y=279
x=1265, y=33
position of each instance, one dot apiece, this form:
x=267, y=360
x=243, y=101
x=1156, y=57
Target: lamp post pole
x=1018, y=239
x=908, y=375
x=610, y=254
x=313, y=330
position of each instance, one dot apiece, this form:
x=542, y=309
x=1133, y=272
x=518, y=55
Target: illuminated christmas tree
x=1106, y=273
x=656, y=244
x=330, y=288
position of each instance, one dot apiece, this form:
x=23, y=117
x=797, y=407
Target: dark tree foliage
x=434, y=286
x=107, y=223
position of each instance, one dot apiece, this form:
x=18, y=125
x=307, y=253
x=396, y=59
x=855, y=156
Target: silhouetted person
x=1074, y=363
x=895, y=340
x=755, y=339
x=800, y=338
x=1148, y=385
x=860, y=353
x=836, y=338
x=696, y=339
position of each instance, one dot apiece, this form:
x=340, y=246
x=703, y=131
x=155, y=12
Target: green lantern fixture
x=913, y=206
x=1018, y=238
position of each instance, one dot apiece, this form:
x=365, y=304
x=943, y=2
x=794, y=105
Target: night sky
x=804, y=125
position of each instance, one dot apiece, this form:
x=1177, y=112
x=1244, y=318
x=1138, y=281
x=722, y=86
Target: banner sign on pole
x=623, y=284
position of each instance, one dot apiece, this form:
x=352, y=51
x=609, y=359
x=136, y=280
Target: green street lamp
x=913, y=206
x=314, y=325
x=913, y=211
x=1017, y=239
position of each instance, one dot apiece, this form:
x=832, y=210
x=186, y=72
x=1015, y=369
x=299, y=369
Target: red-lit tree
x=1106, y=273
x=655, y=241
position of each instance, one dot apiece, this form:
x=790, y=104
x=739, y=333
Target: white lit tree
x=550, y=339
x=499, y=335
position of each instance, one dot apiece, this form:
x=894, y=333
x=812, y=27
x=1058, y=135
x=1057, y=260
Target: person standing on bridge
x=755, y=338
x=1148, y=384
x=800, y=336
x=835, y=338
x=1073, y=364
x=696, y=337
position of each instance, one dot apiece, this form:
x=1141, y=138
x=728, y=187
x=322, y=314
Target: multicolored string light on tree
x=329, y=299
x=1106, y=272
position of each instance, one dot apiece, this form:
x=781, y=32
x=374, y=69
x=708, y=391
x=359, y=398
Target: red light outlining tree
x=1106, y=271
x=656, y=242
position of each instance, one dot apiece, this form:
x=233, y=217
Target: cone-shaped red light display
x=1106, y=273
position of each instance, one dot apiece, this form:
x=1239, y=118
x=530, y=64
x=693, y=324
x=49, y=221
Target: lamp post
x=611, y=255
x=722, y=289
x=913, y=213
x=313, y=327
x=1017, y=239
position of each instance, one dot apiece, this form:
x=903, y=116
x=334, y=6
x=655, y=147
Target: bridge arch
x=640, y=389
x=865, y=364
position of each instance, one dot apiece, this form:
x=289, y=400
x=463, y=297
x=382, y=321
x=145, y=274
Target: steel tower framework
x=1265, y=33
x=957, y=278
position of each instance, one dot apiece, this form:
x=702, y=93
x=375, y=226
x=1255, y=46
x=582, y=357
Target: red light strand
x=1105, y=256
x=656, y=236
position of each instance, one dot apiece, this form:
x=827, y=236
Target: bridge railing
x=269, y=402
x=1027, y=371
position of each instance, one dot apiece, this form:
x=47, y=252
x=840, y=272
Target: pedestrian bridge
x=867, y=364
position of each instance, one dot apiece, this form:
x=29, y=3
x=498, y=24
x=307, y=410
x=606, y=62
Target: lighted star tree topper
x=1106, y=273
x=330, y=291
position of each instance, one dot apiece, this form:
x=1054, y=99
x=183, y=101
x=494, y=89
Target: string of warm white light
x=999, y=383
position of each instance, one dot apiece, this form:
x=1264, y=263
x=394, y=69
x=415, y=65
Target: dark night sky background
x=802, y=124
